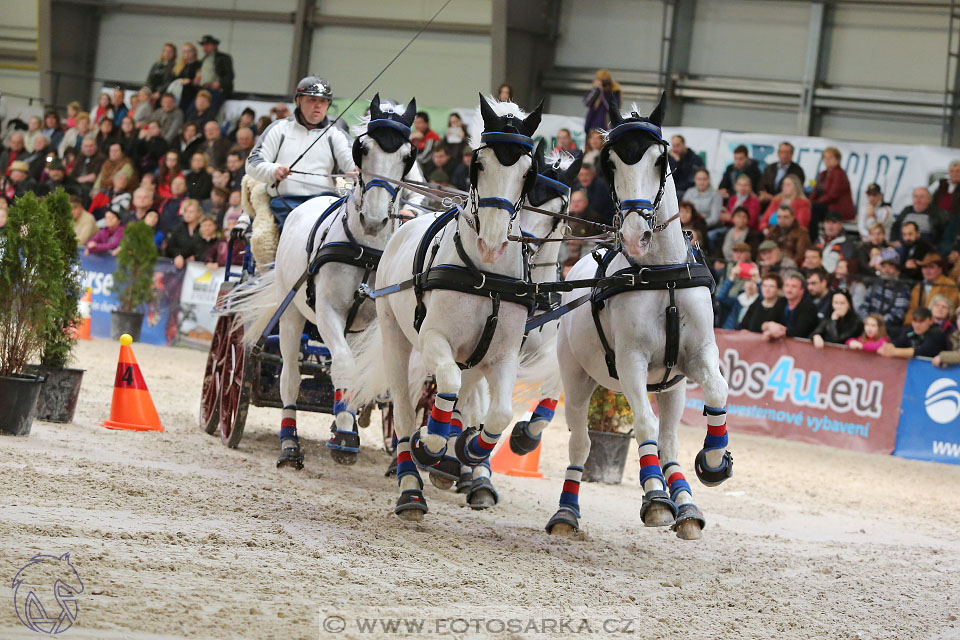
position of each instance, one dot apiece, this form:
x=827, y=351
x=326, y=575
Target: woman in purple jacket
x=605, y=92
x=108, y=238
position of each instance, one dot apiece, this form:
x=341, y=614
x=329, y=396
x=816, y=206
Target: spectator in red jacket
x=832, y=193
x=423, y=137
x=743, y=197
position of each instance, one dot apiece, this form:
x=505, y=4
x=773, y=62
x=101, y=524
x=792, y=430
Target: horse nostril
x=647, y=235
x=362, y=219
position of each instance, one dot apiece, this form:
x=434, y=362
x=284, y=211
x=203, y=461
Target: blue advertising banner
x=160, y=320
x=930, y=414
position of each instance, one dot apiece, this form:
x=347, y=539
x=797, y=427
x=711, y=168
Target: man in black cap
x=57, y=177
x=834, y=243
x=874, y=211
x=216, y=72
x=921, y=338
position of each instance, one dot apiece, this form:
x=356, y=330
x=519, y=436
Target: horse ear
x=538, y=153
x=375, y=113
x=66, y=556
x=410, y=114
x=615, y=117
x=532, y=121
x=656, y=117
x=569, y=176
x=490, y=117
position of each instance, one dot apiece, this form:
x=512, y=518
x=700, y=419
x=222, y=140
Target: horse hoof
x=482, y=499
x=689, y=530
x=658, y=515
x=440, y=482
x=411, y=515
x=562, y=530
x=521, y=443
x=343, y=457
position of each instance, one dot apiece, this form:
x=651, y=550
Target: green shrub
x=31, y=283
x=609, y=411
x=59, y=338
x=136, y=260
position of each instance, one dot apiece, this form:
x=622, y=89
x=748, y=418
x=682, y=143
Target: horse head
x=633, y=160
x=383, y=147
x=557, y=175
x=502, y=171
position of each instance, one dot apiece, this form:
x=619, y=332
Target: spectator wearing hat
x=169, y=117
x=888, y=295
x=771, y=258
x=832, y=192
x=684, y=164
x=947, y=195
x=742, y=165
x=934, y=283
x=912, y=249
x=922, y=338
x=792, y=239
x=216, y=73
x=57, y=178
x=930, y=219
x=19, y=182
x=833, y=243
x=773, y=174
x=874, y=211
x=798, y=317
x=868, y=251
x=84, y=224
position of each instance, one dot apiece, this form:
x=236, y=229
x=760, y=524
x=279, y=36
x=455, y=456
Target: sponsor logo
x=943, y=401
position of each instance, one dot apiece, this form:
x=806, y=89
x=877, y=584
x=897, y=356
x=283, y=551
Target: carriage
x=238, y=375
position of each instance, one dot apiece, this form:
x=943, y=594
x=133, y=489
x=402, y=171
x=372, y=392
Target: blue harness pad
x=282, y=206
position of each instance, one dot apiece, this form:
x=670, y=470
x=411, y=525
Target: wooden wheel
x=212, y=375
x=237, y=383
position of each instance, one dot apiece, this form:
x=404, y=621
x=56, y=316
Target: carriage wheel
x=212, y=375
x=237, y=383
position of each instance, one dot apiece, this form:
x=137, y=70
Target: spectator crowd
x=793, y=256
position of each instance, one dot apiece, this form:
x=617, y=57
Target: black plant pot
x=18, y=402
x=59, y=394
x=608, y=456
x=122, y=322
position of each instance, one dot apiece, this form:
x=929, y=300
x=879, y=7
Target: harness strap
x=489, y=328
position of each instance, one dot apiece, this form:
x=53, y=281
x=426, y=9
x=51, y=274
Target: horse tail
x=538, y=369
x=254, y=302
x=367, y=382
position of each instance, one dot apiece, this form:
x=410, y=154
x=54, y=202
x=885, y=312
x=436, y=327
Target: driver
x=304, y=142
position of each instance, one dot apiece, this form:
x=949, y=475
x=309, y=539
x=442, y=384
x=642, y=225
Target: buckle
x=640, y=273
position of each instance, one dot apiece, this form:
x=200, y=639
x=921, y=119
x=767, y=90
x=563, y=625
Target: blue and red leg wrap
x=676, y=481
x=340, y=402
x=480, y=447
x=405, y=464
x=570, y=496
x=438, y=423
x=545, y=410
x=716, y=428
x=650, y=464
x=288, y=422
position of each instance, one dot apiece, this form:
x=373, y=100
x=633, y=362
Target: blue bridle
x=501, y=203
x=391, y=124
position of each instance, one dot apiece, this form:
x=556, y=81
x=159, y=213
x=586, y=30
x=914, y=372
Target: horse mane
x=557, y=159
x=501, y=109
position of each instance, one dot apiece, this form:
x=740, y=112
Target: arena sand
x=175, y=535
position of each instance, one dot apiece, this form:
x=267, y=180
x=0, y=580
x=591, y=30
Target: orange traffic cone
x=82, y=330
x=132, y=407
x=507, y=462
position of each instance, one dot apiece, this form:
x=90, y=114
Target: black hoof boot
x=411, y=505
x=521, y=442
x=290, y=454
x=460, y=447
x=445, y=473
x=658, y=497
x=344, y=445
x=713, y=477
x=421, y=455
x=464, y=482
x=392, y=469
x=686, y=512
x=567, y=518
x=482, y=494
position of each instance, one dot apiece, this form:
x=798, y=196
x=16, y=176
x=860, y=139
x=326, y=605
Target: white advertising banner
x=897, y=168
x=197, y=298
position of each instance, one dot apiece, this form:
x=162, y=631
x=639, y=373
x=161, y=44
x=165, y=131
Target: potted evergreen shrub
x=31, y=291
x=610, y=420
x=133, y=280
x=59, y=394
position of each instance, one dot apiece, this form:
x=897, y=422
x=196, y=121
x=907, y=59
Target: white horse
x=558, y=175
x=456, y=319
x=347, y=237
x=635, y=323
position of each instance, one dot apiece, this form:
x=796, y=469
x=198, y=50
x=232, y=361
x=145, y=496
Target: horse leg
x=714, y=463
x=658, y=509
x=449, y=469
x=291, y=328
x=689, y=518
x=526, y=433
x=578, y=386
x=475, y=445
x=411, y=504
x=344, y=442
x=482, y=494
x=429, y=444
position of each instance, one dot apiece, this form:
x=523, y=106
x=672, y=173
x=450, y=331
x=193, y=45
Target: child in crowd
x=873, y=337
